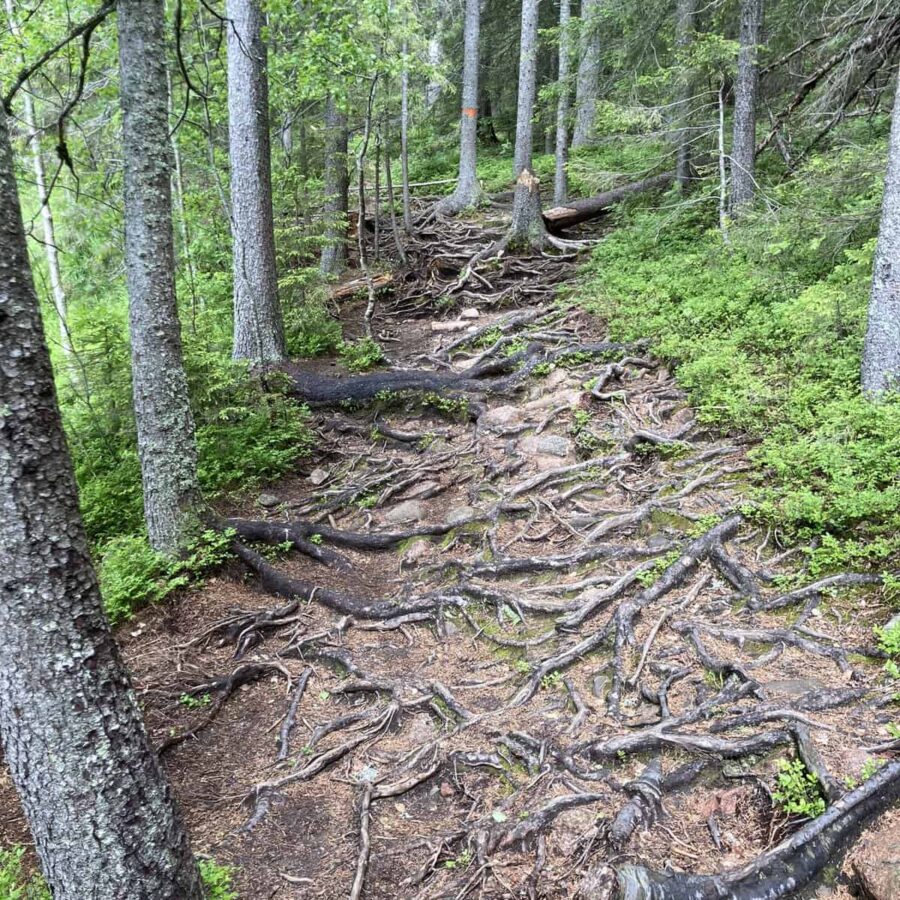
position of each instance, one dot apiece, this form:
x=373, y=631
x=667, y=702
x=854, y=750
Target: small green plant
x=893, y=729
x=361, y=355
x=315, y=539
x=522, y=666
x=460, y=862
x=368, y=500
x=14, y=883
x=541, y=370
x=217, y=880
x=651, y=574
x=889, y=639
x=551, y=681
x=798, y=791
x=870, y=767
x=190, y=701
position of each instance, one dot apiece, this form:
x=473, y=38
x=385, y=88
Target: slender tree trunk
x=389, y=184
x=40, y=180
x=258, y=326
x=435, y=58
x=881, y=354
x=723, y=172
x=377, y=211
x=361, y=214
x=588, y=74
x=468, y=191
x=404, y=141
x=685, y=13
x=101, y=813
x=165, y=426
x=337, y=185
x=743, y=147
x=560, y=181
x=527, y=225
x=527, y=87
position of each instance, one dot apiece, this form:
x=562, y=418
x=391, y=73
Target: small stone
x=423, y=487
x=267, y=501
x=408, y=511
x=546, y=444
x=416, y=552
x=461, y=514
x=470, y=313
x=318, y=476
x=447, y=789
x=876, y=864
x=457, y=325
x=502, y=415
x=794, y=687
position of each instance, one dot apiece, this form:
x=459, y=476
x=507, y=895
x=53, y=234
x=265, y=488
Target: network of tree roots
x=520, y=641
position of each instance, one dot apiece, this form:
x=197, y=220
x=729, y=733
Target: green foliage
x=309, y=328
x=189, y=701
x=361, y=355
x=132, y=574
x=217, y=880
x=798, y=791
x=889, y=639
x=14, y=883
x=766, y=334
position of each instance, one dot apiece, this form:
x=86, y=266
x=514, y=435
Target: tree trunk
x=468, y=191
x=588, y=74
x=435, y=59
x=685, y=13
x=337, y=185
x=258, y=327
x=404, y=142
x=100, y=810
x=528, y=48
x=881, y=354
x=560, y=181
x=40, y=181
x=165, y=426
x=743, y=147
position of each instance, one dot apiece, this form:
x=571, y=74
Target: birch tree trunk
x=258, y=326
x=468, y=190
x=40, y=180
x=435, y=60
x=337, y=186
x=102, y=815
x=881, y=353
x=404, y=141
x=560, y=181
x=743, y=145
x=165, y=426
x=588, y=73
x=685, y=14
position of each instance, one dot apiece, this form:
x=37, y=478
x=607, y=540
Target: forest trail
x=535, y=636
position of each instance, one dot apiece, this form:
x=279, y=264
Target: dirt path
x=569, y=651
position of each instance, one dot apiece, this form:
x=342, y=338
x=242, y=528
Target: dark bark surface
x=588, y=74
x=337, y=184
x=165, y=426
x=746, y=86
x=258, y=328
x=101, y=813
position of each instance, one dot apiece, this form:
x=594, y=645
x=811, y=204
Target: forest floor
x=570, y=650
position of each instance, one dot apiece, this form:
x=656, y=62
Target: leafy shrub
x=217, y=879
x=14, y=884
x=358, y=356
x=798, y=790
x=132, y=574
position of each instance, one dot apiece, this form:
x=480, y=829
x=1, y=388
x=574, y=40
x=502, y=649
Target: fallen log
x=561, y=217
x=347, y=289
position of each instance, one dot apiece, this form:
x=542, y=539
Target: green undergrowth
x=17, y=884
x=765, y=331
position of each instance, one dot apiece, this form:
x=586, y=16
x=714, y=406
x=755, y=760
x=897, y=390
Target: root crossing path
x=515, y=638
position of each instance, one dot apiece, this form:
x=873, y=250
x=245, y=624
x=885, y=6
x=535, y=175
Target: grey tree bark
x=588, y=73
x=258, y=326
x=468, y=190
x=743, y=145
x=527, y=87
x=435, y=59
x=404, y=141
x=881, y=353
x=685, y=14
x=102, y=815
x=560, y=180
x=337, y=185
x=40, y=180
x=527, y=225
x=165, y=426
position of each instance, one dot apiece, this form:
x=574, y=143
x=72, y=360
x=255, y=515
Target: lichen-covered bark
x=165, y=426
x=258, y=326
x=588, y=73
x=468, y=190
x=560, y=186
x=746, y=86
x=101, y=813
x=685, y=13
x=337, y=184
x=881, y=354
x=527, y=86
